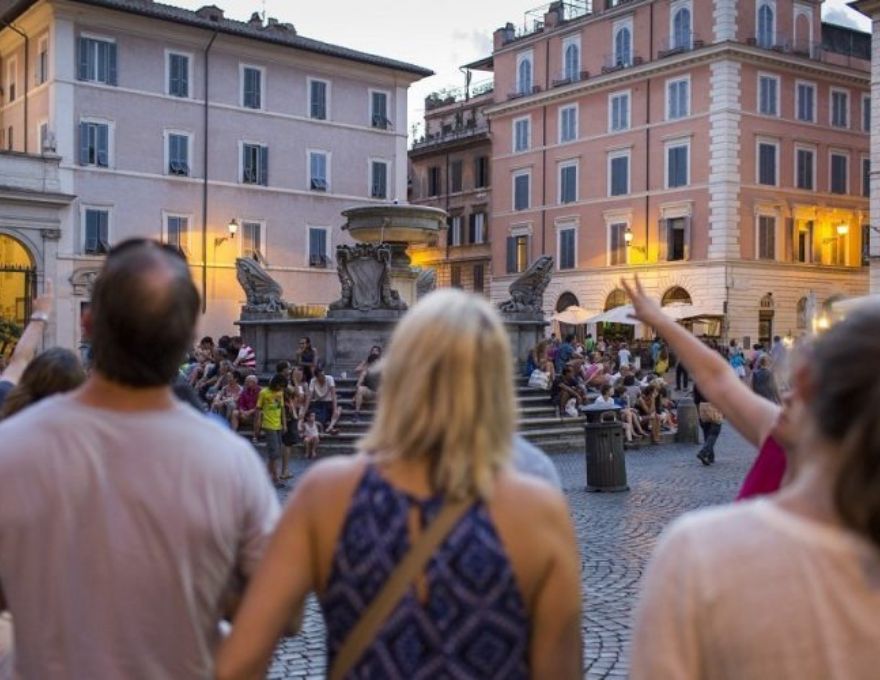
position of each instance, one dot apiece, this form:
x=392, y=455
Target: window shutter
x=90, y=243
x=511, y=254
x=788, y=254
x=102, y=143
x=83, y=144
x=111, y=64
x=664, y=240
x=263, y=152
x=83, y=59
x=687, y=237
x=472, y=228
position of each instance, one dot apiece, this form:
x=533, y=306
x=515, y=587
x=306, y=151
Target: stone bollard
x=688, y=422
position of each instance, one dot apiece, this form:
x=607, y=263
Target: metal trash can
x=606, y=461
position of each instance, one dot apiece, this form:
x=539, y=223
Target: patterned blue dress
x=474, y=623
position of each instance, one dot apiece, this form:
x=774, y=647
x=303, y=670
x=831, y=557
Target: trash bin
x=606, y=461
x=688, y=422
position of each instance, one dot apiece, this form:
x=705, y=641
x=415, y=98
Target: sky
x=438, y=34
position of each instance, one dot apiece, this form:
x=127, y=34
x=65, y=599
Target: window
x=43, y=135
x=178, y=75
x=318, y=180
x=96, y=231
x=623, y=46
x=568, y=123
x=768, y=95
x=521, y=190
x=766, y=237
x=252, y=87
x=766, y=26
x=11, y=78
x=521, y=134
x=678, y=98
x=94, y=144
x=255, y=164
x=572, y=59
x=481, y=172
x=42, y=60
x=517, y=254
x=378, y=179
x=567, y=248
x=479, y=278
x=677, y=165
x=677, y=237
x=177, y=232
x=866, y=177
x=804, y=243
x=866, y=113
x=455, y=276
x=477, y=228
x=318, y=99
x=524, y=73
x=454, y=224
x=767, y=174
x=318, y=256
x=618, y=174
x=805, y=168
x=178, y=154
x=839, y=178
x=455, y=176
x=618, y=112
x=434, y=181
x=617, y=243
x=806, y=102
x=681, y=29
x=839, y=108
x=252, y=244
x=379, y=110
x=568, y=182
x=96, y=61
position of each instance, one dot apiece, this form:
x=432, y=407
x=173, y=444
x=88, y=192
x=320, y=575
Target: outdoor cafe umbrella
x=573, y=316
x=622, y=314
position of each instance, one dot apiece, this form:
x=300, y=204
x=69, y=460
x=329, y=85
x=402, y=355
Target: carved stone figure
x=82, y=280
x=426, y=282
x=527, y=292
x=365, y=278
x=262, y=291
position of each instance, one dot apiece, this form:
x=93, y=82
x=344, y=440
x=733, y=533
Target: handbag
x=371, y=620
x=710, y=414
x=539, y=379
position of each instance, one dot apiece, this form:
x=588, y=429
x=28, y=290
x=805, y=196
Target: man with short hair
x=127, y=520
x=246, y=411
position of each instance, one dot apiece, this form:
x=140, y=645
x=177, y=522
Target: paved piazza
x=616, y=533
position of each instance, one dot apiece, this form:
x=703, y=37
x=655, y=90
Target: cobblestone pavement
x=616, y=533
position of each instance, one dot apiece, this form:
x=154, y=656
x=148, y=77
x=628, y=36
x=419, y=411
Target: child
x=310, y=431
x=272, y=420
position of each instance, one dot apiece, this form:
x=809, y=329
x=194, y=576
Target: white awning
x=573, y=316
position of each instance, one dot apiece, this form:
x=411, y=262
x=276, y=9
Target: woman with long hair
x=485, y=558
x=786, y=586
x=53, y=371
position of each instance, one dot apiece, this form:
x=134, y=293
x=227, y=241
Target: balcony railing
x=680, y=44
x=454, y=135
x=457, y=95
x=564, y=78
x=612, y=63
x=524, y=93
x=811, y=50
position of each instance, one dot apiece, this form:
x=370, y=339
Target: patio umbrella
x=617, y=315
x=573, y=316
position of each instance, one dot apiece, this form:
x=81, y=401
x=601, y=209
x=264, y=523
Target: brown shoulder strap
x=395, y=588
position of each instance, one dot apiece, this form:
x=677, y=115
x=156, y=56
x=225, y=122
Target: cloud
x=477, y=41
x=841, y=18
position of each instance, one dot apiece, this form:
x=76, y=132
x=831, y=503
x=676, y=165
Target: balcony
x=564, y=78
x=679, y=45
x=467, y=132
x=833, y=50
x=524, y=93
x=612, y=63
x=458, y=95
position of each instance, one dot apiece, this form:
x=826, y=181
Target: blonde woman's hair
x=447, y=394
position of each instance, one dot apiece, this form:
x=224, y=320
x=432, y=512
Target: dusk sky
x=438, y=34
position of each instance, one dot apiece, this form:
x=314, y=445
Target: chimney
x=503, y=35
x=210, y=12
x=255, y=21
x=555, y=15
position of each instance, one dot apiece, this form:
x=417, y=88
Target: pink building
x=717, y=149
x=174, y=124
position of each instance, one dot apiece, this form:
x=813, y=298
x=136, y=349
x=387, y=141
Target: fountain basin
x=409, y=224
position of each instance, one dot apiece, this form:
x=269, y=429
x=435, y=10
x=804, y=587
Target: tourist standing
x=271, y=421
x=28, y=344
x=139, y=517
x=710, y=423
x=764, y=381
x=438, y=450
x=784, y=587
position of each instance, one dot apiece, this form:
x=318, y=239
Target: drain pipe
x=205, y=184
x=27, y=59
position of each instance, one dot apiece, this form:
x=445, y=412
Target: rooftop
x=211, y=18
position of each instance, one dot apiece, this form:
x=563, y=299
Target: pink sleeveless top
x=765, y=475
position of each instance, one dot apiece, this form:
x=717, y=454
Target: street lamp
x=233, y=230
x=628, y=240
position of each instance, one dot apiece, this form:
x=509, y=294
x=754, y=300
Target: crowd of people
x=132, y=526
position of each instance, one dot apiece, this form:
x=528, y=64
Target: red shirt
x=247, y=400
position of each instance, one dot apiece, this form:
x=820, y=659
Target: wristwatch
x=40, y=316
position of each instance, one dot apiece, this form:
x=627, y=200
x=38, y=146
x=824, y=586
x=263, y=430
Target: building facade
x=719, y=150
x=450, y=169
x=224, y=138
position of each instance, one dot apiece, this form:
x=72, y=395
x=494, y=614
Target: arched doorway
x=676, y=295
x=565, y=301
x=17, y=285
x=616, y=298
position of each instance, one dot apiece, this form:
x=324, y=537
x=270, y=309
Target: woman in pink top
x=763, y=423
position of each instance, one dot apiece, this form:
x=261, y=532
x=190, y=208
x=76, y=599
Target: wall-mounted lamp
x=233, y=230
x=628, y=240
x=840, y=230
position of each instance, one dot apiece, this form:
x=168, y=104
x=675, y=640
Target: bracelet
x=40, y=316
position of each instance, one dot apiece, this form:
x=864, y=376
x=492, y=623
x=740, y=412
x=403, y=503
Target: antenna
x=264, y=11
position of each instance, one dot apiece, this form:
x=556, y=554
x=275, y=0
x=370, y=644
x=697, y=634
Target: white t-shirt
x=119, y=534
x=321, y=392
x=624, y=356
x=752, y=592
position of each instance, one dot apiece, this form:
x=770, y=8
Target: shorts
x=273, y=444
x=323, y=411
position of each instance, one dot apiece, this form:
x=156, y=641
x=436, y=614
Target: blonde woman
x=500, y=595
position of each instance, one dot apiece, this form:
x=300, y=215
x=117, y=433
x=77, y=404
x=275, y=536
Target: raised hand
x=645, y=309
